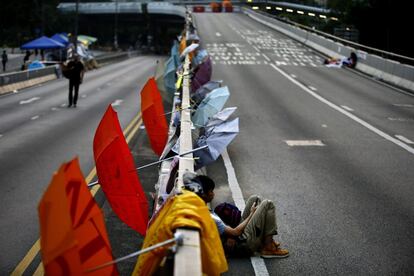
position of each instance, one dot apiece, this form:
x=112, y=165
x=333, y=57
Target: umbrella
x=189, y=49
x=202, y=92
x=216, y=140
x=169, y=75
x=87, y=40
x=202, y=74
x=211, y=104
x=220, y=117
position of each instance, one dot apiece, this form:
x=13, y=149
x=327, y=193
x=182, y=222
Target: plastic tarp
x=42, y=43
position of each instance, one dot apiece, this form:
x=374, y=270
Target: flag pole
x=178, y=238
x=159, y=161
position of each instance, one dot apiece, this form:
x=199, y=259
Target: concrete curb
x=24, y=84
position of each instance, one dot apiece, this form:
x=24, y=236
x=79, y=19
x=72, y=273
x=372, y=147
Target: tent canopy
x=42, y=43
x=61, y=38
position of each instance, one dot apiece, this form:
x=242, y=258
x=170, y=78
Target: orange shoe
x=275, y=252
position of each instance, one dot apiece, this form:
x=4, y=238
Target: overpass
x=332, y=147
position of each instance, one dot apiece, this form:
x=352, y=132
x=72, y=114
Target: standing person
x=255, y=231
x=75, y=78
x=4, y=60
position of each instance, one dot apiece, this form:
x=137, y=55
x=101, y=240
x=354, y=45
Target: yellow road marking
x=31, y=254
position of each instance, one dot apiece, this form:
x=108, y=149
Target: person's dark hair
x=206, y=183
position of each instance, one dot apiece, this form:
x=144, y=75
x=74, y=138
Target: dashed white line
x=117, y=102
x=63, y=105
x=266, y=57
x=405, y=140
x=29, y=100
x=83, y=96
x=347, y=108
x=254, y=47
x=293, y=76
x=54, y=108
x=312, y=88
x=257, y=263
x=325, y=126
x=35, y=117
x=347, y=113
x=404, y=105
x=218, y=34
x=304, y=143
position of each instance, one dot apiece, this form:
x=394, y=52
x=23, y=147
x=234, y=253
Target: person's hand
x=230, y=243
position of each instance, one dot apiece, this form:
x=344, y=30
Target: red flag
x=117, y=174
x=153, y=116
x=73, y=236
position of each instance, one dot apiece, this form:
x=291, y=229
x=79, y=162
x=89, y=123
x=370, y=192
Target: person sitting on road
x=255, y=231
x=350, y=61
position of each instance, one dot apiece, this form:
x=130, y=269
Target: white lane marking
x=15, y=91
x=29, y=100
x=347, y=108
x=117, y=102
x=399, y=119
x=142, y=127
x=304, y=143
x=54, y=108
x=254, y=47
x=35, y=117
x=324, y=125
x=218, y=34
x=83, y=96
x=348, y=114
x=405, y=140
x=266, y=57
x=293, y=76
x=404, y=105
x=63, y=105
x=312, y=88
x=257, y=262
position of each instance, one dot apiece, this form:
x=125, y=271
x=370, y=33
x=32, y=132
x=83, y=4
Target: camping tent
x=42, y=43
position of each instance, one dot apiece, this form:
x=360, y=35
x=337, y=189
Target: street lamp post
x=75, y=42
x=116, y=26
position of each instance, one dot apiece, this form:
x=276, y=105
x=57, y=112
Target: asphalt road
x=38, y=133
x=344, y=206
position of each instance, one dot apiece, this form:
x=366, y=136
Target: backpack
x=229, y=214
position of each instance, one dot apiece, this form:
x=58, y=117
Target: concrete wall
x=401, y=75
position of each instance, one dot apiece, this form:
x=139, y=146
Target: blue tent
x=61, y=38
x=42, y=43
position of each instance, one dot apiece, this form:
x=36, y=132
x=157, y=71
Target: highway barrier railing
x=19, y=80
x=187, y=260
x=370, y=60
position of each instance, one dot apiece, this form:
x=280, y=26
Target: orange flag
x=73, y=236
x=117, y=174
x=153, y=116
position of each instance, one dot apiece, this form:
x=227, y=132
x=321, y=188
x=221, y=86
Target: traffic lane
x=334, y=174
x=387, y=108
x=32, y=103
x=29, y=161
x=214, y=27
x=315, y=186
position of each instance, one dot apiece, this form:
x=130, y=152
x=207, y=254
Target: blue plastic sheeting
x=42, y=43
x=36, y=65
